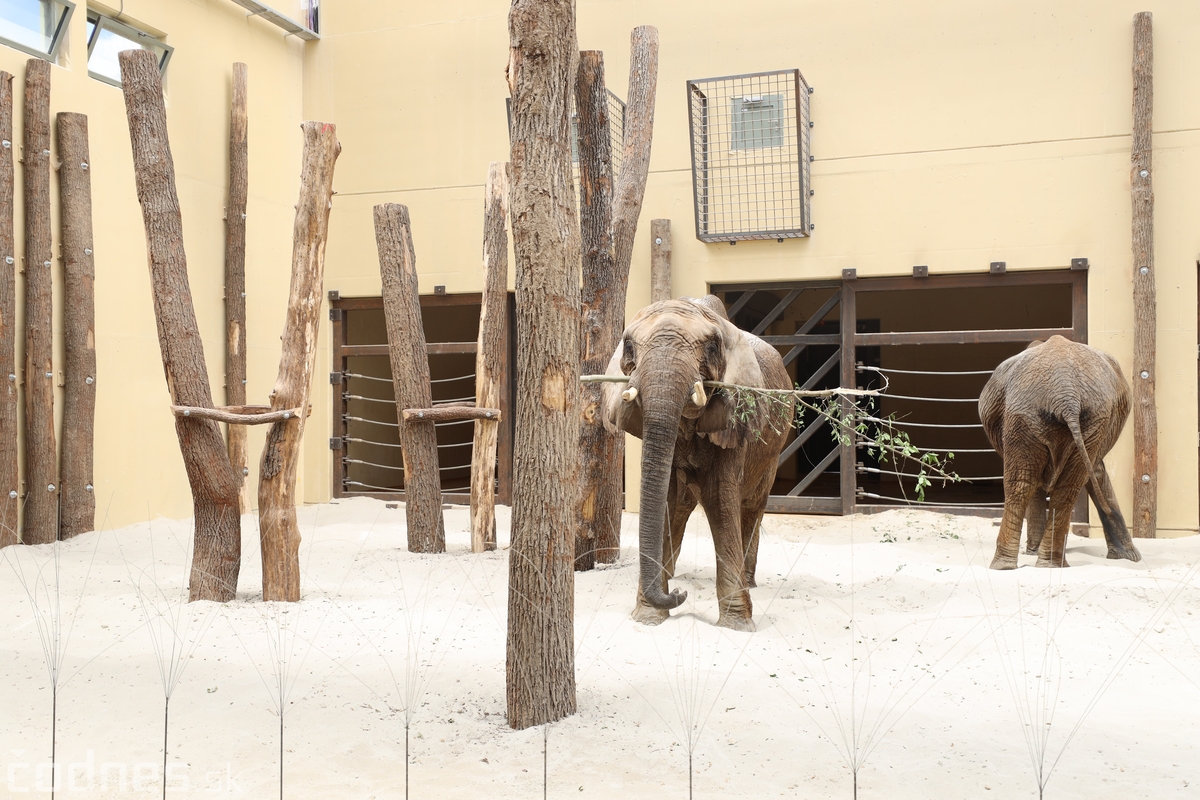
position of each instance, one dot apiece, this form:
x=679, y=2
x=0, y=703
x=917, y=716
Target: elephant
x=698, y=448
x=1053, y=412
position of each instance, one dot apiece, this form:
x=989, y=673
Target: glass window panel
x=108, y=39
x=33, y=25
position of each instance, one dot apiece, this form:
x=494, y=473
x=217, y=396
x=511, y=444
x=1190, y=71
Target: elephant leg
x=1018, y=489
x=1035, y=521
x=722, y=504
x=1053, y=550
x=751, y=532
x=1116, y=533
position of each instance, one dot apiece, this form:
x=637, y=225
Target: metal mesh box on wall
x=750, y=156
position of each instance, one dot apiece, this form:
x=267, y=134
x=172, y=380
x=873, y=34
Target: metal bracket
x=998, y=267
x=336, y=443
x=850, y=274
x=334, y=295
x=336, y=378
x=1079, y=263
x=921, y=271
x=336, y=315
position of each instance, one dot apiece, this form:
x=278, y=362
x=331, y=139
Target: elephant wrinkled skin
x=1053, y=412
x=697, y=449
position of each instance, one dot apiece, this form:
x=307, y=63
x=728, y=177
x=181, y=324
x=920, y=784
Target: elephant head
x=668, y=351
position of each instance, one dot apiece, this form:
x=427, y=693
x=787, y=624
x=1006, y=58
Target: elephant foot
x=737, y=622
x=1031, y=550
x=648, y=614
x=1130, y=554
x=1001, y=561
x=750, y=582
x=1050, y=563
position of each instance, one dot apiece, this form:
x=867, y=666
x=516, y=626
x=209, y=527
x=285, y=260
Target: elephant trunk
x=662, y=406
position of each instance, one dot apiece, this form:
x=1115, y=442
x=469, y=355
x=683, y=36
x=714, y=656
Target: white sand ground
x=882, y=641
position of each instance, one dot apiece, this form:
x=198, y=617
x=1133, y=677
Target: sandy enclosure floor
x=884, y=647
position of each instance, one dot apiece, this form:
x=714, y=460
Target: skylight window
x=36, y=27
x=107, y=37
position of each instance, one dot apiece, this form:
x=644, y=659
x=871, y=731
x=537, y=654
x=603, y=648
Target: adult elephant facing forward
x=1052, y=412
x=698, y=447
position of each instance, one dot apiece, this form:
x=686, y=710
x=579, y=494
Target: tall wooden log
x=280, y=535
x=660, y=260
x=216, y=552
x=540, y=670
x=78, y=504
x=235, y=275
x=41, y=457
x=9, y=486
x=605, y=314
x=602, y=307
x=410, y=378
x=489, y=357
x=1145, y=414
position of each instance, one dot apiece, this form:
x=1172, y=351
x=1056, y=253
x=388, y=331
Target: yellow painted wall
x=947, y=133
x=138, y=469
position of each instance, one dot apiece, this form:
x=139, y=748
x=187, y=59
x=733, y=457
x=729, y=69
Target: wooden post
x=235, y=276
x=217, y=551
x=280, y=535
x=9, y=488
x=78, y=505
x=410, y=378
x=660, y=260
x=1145, y=414
x=848, y=456
x=540, y=652
x=606, y=284
x=601, y=311
x=489, y=357
x=41, y=457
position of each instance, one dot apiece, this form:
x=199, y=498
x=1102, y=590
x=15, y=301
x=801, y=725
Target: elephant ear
x=730, y=420
x=615, y=414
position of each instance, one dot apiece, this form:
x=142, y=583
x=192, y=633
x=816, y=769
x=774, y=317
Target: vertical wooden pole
x=235, y=275
x=849, y=379
x=605, y=314
x=410, y=378
x=601, y=312
x=660, y=260
x=9, y=486
x=217, y=551
x=1145, y=414
x=78, y=506
x=540, y=652
x=41, y=458
x=489, y=357
x=281, y=453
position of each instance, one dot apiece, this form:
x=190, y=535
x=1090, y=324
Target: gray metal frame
x=56, y=39
x=108, y=23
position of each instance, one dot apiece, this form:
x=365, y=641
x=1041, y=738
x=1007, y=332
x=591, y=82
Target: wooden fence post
x=602, y=307
x=410, y=378
x=41, y=457
x=235, y=276
x=216, y=553
x=660, y=260
x=78, y=504
x=1145, y=415
x=281, y=453
x=9, y=487
x=540, y=666
x=489, y=357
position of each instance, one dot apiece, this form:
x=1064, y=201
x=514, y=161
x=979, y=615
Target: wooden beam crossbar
x=237, y=415
x=449, y=414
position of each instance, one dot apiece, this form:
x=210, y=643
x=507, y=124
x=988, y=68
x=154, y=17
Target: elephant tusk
x=630, y=394
x=698, y=396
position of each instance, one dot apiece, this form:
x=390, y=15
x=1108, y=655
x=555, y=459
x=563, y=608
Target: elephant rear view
x=1053, y=412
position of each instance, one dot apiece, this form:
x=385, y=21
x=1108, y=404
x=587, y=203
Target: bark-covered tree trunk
x=78, y=504
x=41, y=457
x=540, y=648
x=235, y=275
x=660, y=260
x=9, y=486
x=280, y=535
x=1145, y=326
x=489, y=357
x=216, y=553
x=606, y=284
x=410, y=378
x=600, y=452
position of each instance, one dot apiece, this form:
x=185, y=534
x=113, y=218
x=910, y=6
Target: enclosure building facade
x=909, y=190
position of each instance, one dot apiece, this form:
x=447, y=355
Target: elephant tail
x=1072, y=421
